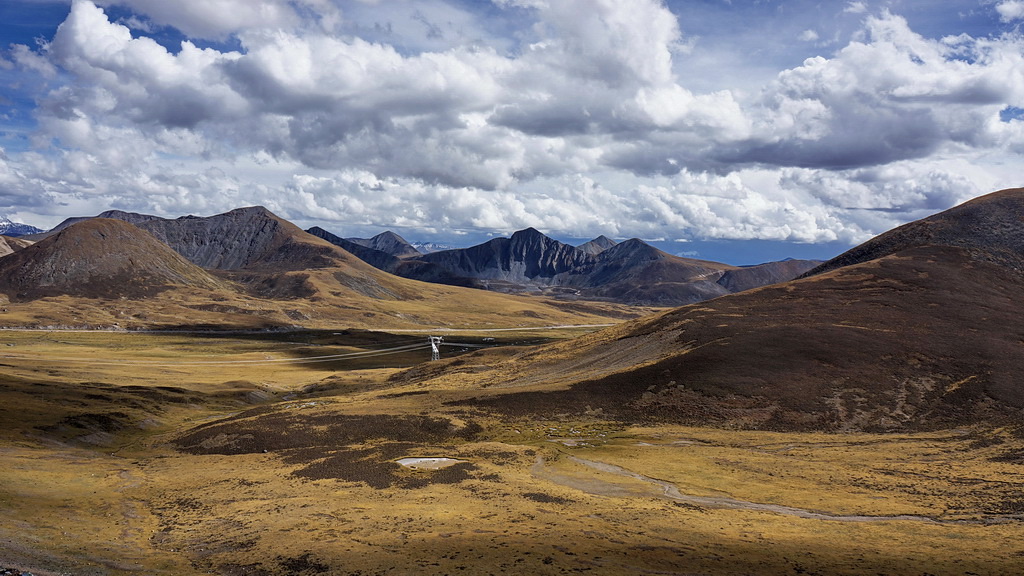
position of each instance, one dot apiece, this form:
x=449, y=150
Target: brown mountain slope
x=636, y=272
x=750, y=277
x=11, y=244
x=98, y=258
x=990, y=227
x=928, y=336
x=246, y=238
x=267, y=255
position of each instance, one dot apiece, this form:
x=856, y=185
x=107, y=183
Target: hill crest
x=991, y=227
x=99, y=257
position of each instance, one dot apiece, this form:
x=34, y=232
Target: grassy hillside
x=177, y=454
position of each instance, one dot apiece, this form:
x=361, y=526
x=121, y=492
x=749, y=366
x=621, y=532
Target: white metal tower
x=435, y=352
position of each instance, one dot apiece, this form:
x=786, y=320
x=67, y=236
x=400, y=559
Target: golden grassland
x=247, y=454
x=418, y=305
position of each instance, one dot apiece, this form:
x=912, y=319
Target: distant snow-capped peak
x=9, y=228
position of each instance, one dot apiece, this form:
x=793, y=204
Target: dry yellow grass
x=536, y=497
x=419, y=306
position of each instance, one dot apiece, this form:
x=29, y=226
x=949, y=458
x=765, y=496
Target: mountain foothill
x=917, y=329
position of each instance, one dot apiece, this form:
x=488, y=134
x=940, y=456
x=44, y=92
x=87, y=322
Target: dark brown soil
x=273, y=429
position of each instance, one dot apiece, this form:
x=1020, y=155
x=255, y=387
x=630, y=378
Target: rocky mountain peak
x=542, y=256
x=9, y=228
x=633, y=250
x=393, y=244
x=597, y=245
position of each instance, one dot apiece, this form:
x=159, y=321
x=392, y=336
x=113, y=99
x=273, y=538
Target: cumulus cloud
x=1010, y=10
x=575, y=123
x=213, y=19
x=892, y=96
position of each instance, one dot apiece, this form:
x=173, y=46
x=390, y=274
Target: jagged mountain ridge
x=289, y=279
x=373, y=256
x=255, y=247
x=410, y=268
x=244, y=238
x=239, y=239
x=269, y=256
x=527, y=257
x=926, y=336
x=631, y=272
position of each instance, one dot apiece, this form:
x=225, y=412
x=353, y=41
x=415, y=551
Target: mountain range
x=267, y=255
x=630, y=272
x=916, y=329
x=244, y=269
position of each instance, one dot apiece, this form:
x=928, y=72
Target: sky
x=738, y=131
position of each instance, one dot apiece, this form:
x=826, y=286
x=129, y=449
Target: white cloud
x=213, y=19
x=1010, y=10
x=808, y=36
x=575, y=123
x=856, y=8
x=893, y=96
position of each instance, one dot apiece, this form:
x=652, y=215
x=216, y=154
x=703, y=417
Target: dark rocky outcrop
x=244, y=238
x=527, y=258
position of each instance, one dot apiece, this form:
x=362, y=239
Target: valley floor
x=179, y=454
